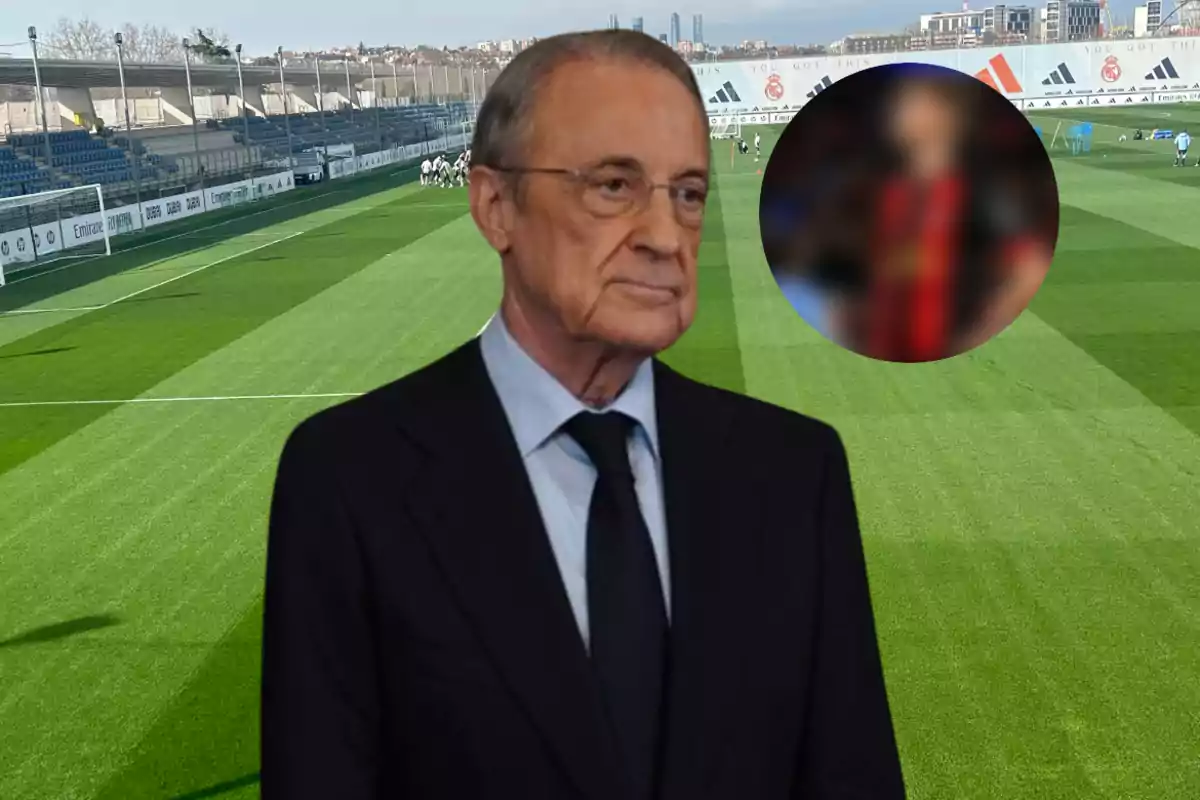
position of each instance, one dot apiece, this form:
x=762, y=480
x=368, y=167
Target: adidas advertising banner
x=269, y=185
x=1028, y=74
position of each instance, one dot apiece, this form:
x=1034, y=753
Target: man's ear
x=492, y=207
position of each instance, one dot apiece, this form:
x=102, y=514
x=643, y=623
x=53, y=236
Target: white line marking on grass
x=157, y=285
x=49, y=310
x=203, y=267
x=484, y=328
x=214, y=399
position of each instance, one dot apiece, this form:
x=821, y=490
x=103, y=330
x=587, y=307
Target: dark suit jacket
x=418, y=642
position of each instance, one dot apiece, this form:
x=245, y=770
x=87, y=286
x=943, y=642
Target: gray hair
x=508, y=107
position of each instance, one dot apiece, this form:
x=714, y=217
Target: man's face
x=922, y=118
x=630, y=279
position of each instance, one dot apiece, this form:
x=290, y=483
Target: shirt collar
x=537, y=405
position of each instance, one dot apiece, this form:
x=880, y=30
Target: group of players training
x=441, y=171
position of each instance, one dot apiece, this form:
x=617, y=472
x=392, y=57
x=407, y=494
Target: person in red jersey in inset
x=953, y=254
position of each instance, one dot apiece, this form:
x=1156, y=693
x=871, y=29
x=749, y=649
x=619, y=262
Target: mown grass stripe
x=709, y=351
x=162, y=242
x=127, y=349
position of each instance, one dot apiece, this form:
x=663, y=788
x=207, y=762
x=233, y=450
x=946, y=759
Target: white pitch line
x=320, y=395
x=155, y=286
x=203, y=267
x=484, y=328
x=49, y=310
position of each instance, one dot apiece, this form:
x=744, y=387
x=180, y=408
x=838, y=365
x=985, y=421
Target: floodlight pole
x=375, y=106
x=187, y=69
x=474, y=102
x=242, y=97
x=37, y=79
x=395, y=82
x=137, y=166
x=431, y=94
x=349, y=89
x=416, y=96
x=287, y=118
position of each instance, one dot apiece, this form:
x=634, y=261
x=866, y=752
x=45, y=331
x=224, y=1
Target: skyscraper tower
x=674, y=36
x=613, y=23
x=697, y=29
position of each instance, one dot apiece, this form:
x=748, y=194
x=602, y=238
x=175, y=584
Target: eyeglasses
x=617, y=190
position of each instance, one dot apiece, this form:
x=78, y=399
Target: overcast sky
x=263, y=25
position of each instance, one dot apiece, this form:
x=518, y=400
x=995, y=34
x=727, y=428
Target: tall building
x=952, y=28
x=698, y=28
x=1072, y=20
x=639, y=25
x=613, y=23
x=1009, y=23
x=675, y=37
x=662, y=37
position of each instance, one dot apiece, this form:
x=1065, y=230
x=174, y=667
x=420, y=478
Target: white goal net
x=725, y=128
x=36, y=229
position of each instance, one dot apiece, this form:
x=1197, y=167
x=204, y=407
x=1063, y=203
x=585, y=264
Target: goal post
x=36, y=229
x=729, y=129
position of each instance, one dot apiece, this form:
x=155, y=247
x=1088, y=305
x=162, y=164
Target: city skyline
x=265, y=26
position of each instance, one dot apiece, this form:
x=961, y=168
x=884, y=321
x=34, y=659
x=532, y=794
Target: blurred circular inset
x=909, y=212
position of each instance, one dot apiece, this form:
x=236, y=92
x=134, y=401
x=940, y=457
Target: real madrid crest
x=1111, y=71
x=774, y=88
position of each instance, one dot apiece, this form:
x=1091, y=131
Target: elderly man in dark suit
x=548, y=566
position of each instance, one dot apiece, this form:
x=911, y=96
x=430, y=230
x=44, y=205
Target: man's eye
x=614, y=185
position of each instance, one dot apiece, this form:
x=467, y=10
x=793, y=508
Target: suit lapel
x=476, y=507
x=715, y=539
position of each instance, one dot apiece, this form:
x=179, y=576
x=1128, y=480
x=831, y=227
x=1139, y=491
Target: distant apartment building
x=1147, y=18
x=1072, y=20
x=662, y=37
x=698, y=28
x=675, y=37
x=1010, y=23
x=685, y=47
x=639, y=25
x=952, y=28
x=867, y=43
x=510, y=46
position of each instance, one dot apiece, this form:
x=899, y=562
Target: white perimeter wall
x=1103, y=74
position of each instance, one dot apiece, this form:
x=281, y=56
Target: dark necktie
x=626, y=609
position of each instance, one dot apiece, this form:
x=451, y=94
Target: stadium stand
x=367, y=130
x=76, y=158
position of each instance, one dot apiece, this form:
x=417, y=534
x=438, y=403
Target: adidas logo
x=999, y=69
x=726, y=94
x=820, y=87
x=1164, y=70
x=1059, y=76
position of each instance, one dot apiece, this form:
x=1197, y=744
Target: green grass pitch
x=1030, y=510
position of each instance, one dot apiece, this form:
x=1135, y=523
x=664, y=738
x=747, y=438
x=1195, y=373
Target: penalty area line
x=211, y=399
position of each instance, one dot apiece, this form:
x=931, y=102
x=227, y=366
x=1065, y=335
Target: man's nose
x=657, y=226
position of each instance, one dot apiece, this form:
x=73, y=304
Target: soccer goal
x=726, y=128
x=36, y=229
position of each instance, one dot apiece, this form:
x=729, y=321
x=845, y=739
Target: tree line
x=87, y=40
